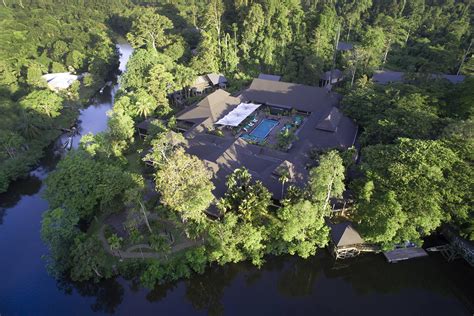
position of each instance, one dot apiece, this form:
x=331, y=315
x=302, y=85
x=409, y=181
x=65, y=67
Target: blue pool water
x=263, y=129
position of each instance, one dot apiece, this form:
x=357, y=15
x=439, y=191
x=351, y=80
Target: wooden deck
x=401, y=254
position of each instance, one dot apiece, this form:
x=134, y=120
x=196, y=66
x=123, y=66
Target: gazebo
x=345, y=240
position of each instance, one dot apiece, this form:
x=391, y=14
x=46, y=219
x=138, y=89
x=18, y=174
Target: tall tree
x=301, y=227
x=411, y=174
x=327, y=179
x=148, y=29
x=43, y=102
x=184, y=184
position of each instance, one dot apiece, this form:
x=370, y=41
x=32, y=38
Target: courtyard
x=267, y=126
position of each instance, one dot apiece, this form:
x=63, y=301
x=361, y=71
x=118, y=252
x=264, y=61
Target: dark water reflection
x=283, y=286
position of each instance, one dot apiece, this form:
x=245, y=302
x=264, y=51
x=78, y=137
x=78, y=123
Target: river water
x=283, y=286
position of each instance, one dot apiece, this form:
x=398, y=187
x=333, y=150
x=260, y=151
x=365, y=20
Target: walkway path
x=130, y=252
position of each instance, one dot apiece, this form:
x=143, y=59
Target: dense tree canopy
x=415, y=167
x=408, y=178
x=39, y=38
x=184, y=183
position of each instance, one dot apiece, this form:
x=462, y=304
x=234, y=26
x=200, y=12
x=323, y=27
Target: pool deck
x=271, y=139
x=259, y=127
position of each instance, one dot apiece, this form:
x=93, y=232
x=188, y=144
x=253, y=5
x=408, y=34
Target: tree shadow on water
x=108, y=293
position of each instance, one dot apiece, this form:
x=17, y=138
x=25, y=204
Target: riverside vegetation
x=416, y=171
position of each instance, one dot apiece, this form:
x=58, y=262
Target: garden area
x=128, y=235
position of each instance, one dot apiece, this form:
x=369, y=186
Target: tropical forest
x=147, y=126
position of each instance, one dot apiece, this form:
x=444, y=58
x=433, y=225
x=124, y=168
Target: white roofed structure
x=237, y=115
x=60, y=80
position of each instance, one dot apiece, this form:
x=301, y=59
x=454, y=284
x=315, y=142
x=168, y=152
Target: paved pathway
x=134, y=251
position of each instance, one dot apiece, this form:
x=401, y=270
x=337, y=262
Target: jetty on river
x=401, y=254
x=457, y=247
x=347, y=243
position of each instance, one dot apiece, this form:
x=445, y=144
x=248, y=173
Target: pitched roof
x=343, y=234
x=216, y=79
x=211, y=108
x=60, y=80
x=200, y=83
x=309, y=136
x=287, y=95
x=331, y=121
x=287, y=167
x=386, y=76
x=269, y=77
x=342, y=46
x=224, y=157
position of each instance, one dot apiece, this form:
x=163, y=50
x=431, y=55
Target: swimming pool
x=263, y=129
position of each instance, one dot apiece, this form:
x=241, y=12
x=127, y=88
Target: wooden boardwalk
x=401, y=254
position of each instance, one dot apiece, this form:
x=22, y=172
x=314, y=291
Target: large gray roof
x=288, y=95
x=210, y=109
x=325, y=127
x=226, y=156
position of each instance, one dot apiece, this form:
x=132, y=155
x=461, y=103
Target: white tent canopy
x=237, y=115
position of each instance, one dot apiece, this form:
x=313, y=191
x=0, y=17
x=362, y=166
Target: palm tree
x=29, y=126
x=184, y=77
x=284, y=178
x=115, y=242
x=144, y=103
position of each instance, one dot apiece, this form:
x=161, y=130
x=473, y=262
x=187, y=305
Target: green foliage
x=115, y=242
x=58, y=231
x=148, y=29
x=233, y=241
x=301, y=228
x=39, y=39
x=81, y=185
x=43, y=103
x=160, y=243
x=382, y=216
x=184, y=183
x=164, y=144
x=408, y=179
x=286, y=138
x=194, y=260
x=249, y=200
x=395, y=111
x=326, y=180
x=89, y=260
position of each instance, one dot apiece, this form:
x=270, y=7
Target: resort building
x=344, y=46
x=207, y=82
x=270, y=129
x=331, y=77
x=387, y=76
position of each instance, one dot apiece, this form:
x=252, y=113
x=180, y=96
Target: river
x=284, y=285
